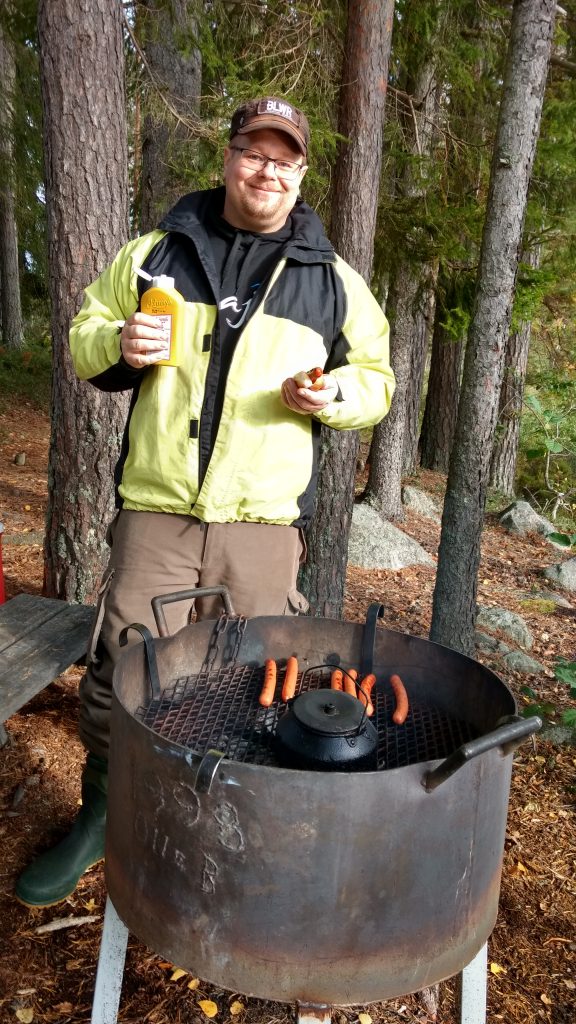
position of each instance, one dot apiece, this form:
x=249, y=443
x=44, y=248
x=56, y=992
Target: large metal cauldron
x=320, y=887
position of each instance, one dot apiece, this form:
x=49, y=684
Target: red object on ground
x=2, y=590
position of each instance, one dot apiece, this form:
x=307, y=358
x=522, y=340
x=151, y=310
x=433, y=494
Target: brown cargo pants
x=153, y=553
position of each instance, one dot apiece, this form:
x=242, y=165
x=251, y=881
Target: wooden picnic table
x=40, y=637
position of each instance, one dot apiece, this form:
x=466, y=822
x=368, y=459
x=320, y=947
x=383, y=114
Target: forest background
x=146, y=93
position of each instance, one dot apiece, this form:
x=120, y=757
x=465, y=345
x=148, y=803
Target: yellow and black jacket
x=219, y=444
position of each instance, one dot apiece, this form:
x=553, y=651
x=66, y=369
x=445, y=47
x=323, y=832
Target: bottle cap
x=163, y=281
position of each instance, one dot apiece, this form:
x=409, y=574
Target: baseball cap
x=271, y=112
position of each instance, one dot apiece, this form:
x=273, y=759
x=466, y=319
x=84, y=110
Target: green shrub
x=546, y=470
x=26, y=373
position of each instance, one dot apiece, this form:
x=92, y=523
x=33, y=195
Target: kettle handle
x=509, y=735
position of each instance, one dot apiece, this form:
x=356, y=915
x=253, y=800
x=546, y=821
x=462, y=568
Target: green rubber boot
x=55, y=874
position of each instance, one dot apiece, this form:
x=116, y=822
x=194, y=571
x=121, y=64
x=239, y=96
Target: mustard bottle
x=167, y=306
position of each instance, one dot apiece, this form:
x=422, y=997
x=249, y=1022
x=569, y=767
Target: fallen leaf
x=178, y=973
x=519, y=869
x=208, y=1006
x=570, y=984
x=365, y=1018
x=497, y=969
x=236, y=1008
x=26, y=1014
x=545, y=999
x=90, y=906
x=65, y=1007
x=193, y=983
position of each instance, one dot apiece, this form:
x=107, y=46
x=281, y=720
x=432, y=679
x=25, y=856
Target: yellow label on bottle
x=164, y=323
x=167, y=307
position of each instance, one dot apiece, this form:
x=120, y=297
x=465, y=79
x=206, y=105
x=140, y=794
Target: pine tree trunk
x=441, y=409
x=361, y=121
x=82, y=79
x=384, y=487
x=173, y=92
x=454, y=285
x=395, y=438
x=505, y=453
x=10, y=311
x=421, y=335
x=454, y=606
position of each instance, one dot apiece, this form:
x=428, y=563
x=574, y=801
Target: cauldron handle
x=188, y=595
x=375, y=612
x=507, y=736
x=151, y=662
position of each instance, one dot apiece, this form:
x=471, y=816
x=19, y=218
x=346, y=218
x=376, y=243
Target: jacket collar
x=190, y=216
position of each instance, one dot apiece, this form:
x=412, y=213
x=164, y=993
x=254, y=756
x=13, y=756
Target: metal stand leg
x=110, y=968
x=473, y=983
x=312, y=1013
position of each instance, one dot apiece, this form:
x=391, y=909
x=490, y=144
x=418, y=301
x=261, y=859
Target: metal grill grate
x=221, y=712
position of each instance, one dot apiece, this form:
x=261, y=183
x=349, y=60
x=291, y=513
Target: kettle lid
x=329, y=712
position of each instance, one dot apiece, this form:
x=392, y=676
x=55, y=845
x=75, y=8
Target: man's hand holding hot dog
x=141, y=341
x=305, y=395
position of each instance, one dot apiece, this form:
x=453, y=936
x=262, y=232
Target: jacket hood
x=307, y=244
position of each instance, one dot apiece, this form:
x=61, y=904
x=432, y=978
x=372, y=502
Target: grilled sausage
x=269, y=687
x=401, y=712
x=290, y=678
x=364, y=691
x=317, y=377
x=350, y=678
x=336, y=679
x=312, y=379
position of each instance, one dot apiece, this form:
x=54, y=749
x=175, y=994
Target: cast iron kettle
x=326, y=730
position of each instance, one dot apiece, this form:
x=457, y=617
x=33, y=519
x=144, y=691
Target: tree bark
x=421, y=335
x=441, y=409
x=355, y=202
x=85, y=147
x=408, y=302
x=10, y=306
x=454, y=604
x=384, y=487
x=505, y=453
x=471, y=122
x=177, y=77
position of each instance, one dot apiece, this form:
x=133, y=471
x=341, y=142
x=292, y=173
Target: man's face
x=260, y=200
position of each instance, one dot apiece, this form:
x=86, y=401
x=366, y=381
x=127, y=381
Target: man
x=217, y=472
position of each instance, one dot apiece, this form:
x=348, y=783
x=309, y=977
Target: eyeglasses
x=257, y=161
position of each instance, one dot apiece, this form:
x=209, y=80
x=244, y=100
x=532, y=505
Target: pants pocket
x=296, y=603
x=92, y=656
x=111, y=529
